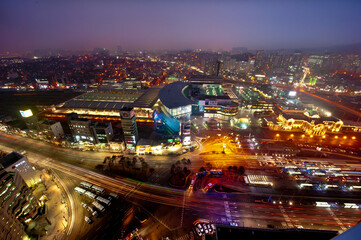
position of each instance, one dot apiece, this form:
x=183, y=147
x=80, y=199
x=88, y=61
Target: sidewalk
x=54, y=221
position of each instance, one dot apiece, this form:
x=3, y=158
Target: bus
x=79, y=190
x=351, y=179
x=113, y=195
x=86, y=185
x=98, y=206
x=103, y=200
x=97, y=189
x=210, y=185
x=193, y=181
x=323, y=204
x=90, y=195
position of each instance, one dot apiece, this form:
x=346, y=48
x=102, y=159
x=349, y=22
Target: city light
x=26, y=113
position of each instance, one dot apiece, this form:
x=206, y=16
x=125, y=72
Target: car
x=199, y=226
x=88, y=220
x=205, y=228
x=84, y=205
x=199, y=233
x=210, y=229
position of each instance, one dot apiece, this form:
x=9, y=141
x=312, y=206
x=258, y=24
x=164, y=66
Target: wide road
x=231, y=207
x=237, y=207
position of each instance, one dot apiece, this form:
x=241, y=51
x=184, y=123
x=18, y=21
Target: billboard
x=292, y=93
x=26, y=113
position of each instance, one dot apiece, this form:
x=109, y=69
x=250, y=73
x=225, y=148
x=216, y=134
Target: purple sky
x=147, y=24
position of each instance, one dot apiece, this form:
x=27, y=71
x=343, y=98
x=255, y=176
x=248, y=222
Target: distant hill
x=346, y=48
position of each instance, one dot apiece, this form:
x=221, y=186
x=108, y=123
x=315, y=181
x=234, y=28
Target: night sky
x=171, y=24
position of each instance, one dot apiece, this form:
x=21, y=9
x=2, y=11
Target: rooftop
x=172, y=95
x=148, y=98
x=10, y=159
x=94, y=104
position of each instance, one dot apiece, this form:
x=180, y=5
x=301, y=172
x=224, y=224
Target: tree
x=209, y=166
x=202, y=169
x=172, y=169
x=241, y=170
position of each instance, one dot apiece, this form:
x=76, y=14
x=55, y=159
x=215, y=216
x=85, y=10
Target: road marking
x=287, y=218
x=337, y=220
x=130, y=193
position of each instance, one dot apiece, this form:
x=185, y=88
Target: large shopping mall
x=166, y=107
x=162, y=107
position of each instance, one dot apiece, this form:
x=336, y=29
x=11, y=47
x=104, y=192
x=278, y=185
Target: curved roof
x=172, y=95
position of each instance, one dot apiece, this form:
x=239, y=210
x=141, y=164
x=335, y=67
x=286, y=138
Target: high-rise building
x=119, y=50
x=259, y=59
x=18, y=205
x=129, y=126
x=18, y=163
x=212, y=66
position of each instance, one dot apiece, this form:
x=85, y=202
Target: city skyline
x=170, y=25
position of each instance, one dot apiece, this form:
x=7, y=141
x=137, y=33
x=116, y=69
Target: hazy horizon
x=84, y=25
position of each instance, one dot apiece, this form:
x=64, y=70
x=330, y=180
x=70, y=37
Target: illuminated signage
x=292, y=93
x=26, y=113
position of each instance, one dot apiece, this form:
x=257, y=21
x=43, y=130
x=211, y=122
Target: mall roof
x=100, y=105
x=172, y=95
x=114, y=101
x=148, y=98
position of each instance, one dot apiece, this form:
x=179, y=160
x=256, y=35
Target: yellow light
x=323, y=136
x=336, y=137
x=277, y=135
x=311, y=136
x=303, y=136
x=354, y=138
x=292, y=135
x=344, y=137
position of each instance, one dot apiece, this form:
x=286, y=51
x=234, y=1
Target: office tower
x=129, y=126
x=18, y=163
x=18, y=205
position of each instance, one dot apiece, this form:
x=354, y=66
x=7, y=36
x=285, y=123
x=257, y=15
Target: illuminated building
x=130, y=128
x=17, y=163
x=84, y=130
x=105, y=106
x=102, y=132
x=18, y=205
x=80, y=129
x=309, y=122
